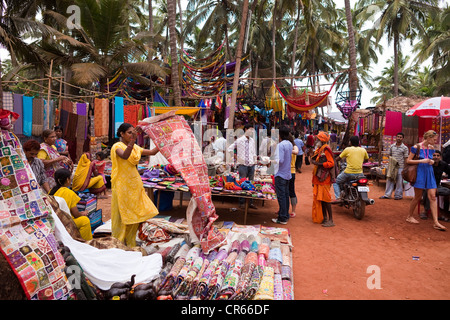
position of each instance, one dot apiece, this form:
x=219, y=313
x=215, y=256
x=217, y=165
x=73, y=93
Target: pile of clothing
x=246, y=267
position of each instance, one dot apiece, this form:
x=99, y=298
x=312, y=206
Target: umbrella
x=431, y=108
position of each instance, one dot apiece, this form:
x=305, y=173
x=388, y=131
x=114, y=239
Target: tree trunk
x=396, y=42
x=150, y=29
x=237, y=69
x=294, y=49
x=171, y=10
x=274, y=64
x=181, y=26
x=353, y=77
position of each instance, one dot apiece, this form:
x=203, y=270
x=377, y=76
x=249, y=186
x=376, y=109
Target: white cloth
x=104, y=267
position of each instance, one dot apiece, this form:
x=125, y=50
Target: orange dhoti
x=320, y=193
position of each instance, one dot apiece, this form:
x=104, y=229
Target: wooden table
x=150, y=192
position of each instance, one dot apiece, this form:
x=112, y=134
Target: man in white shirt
x=219, y=146
x=246, y=157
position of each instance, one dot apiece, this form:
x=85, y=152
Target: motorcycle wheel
x=359, y=209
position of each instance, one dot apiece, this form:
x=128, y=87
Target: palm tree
x=398, y=20
x=171, y=10
x=438, y=48
x=95, y=55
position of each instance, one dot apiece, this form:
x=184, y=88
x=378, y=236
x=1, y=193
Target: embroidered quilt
x=176, y=142
x=26, y=237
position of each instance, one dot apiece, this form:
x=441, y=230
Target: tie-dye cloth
x=26, y=237
x=176, y=142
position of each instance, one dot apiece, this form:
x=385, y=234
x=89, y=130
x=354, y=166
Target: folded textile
x=266, y=287
x=277, y=287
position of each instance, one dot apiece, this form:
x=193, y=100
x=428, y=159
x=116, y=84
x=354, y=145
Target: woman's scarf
x=50, y=170
x=83, y=173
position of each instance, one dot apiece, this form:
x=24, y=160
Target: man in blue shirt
x=283, y=174
x=300, y=144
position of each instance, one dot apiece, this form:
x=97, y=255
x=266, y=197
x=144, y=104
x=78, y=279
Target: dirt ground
x=381, y=257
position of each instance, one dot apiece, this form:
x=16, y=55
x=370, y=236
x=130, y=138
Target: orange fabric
x=101, y=117
x=328, y=164
x=320, y=193
x=130, y=114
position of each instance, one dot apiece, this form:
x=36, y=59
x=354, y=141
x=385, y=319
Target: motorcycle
x=355, y=195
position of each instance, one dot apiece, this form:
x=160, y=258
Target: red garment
x=310, y=140
x=130, y=114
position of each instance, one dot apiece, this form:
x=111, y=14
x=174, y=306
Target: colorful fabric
x=176, y=142
x=266, y=287
x=26, y=237
x=38, y=117
x=101, y=117
x=118, y=113
x=18, y=108
x=83, y=178
x=61, y=145
x=8, y=102
x=27, y=115
x=130, y=204
x=48, y=152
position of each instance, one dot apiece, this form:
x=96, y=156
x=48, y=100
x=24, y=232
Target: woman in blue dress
x=425, y=177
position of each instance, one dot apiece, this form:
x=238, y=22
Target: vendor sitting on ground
x=31, y=149
x=62, y=179
x=86, y=177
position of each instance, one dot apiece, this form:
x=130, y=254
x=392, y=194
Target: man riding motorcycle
x=355, y=156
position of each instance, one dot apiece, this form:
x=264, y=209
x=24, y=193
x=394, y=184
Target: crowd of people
x=130, y=204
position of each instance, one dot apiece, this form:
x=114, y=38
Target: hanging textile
x=118, y=113
x=176, y=142
x=27, y=115
x=18, y=108
x=101, y=117
x=38, y=117
x=8, y=101
x=130, y=113
x=393, y=123
x=314, y=99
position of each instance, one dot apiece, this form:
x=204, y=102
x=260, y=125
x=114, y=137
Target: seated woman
x=84, y=179
x=62, y=179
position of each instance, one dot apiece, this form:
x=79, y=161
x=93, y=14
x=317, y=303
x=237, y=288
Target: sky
x=376, y=70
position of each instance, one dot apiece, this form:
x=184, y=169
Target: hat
x=6, y=113
x=323, y=136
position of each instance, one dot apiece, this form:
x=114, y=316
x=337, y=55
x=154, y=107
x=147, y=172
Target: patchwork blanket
x=176, y=142
x=26, y=238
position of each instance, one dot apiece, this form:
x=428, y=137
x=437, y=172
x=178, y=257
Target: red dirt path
x=336, y=263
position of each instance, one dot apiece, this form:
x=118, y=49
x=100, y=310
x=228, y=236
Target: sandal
x=439, y=227
x=292, y=215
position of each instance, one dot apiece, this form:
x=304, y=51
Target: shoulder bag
x=409, y=172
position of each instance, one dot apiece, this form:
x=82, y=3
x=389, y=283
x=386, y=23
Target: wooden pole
x=47, y=107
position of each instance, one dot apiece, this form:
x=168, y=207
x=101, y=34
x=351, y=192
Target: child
x=100, y=164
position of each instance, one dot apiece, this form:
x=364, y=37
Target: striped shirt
x=399, y=153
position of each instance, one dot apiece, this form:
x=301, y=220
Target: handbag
x=409, y=172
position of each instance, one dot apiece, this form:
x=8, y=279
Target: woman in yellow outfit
x=83, y=178
x=62, y=179
x=130, y=204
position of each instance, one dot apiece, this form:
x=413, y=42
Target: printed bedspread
x=176, y=142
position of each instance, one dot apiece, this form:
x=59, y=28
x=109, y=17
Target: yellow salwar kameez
x=83, y=178
x=130, y=204
x=83, y=223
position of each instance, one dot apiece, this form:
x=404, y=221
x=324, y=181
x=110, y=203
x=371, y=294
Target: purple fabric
x=18, y=108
